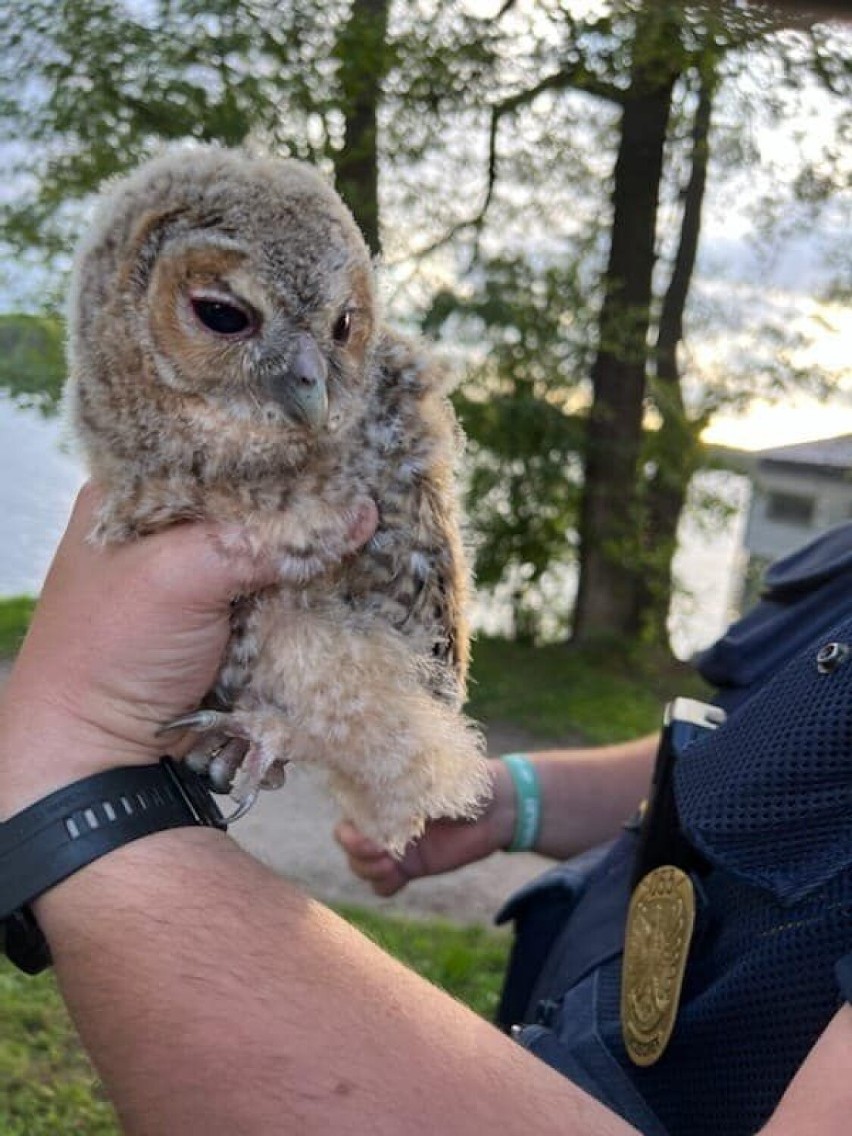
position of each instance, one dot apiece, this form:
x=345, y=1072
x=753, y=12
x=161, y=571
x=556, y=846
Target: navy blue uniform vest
x=767, y=800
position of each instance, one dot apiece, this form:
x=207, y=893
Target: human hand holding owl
x=228, y=364
x=123, y=638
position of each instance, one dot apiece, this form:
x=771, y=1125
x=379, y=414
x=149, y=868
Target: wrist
x=526, y=791
x=503, y=809
x=45, y=746
x=78, y=824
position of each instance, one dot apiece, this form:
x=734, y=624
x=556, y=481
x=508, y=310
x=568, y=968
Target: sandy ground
x=291, y=831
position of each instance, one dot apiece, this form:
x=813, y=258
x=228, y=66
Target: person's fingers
x=371, y=869
x=207, y=564
x=370, y=862
x=186, y=562
x=389, y=885
x=383, y=875
x=355, y=843
x=225, y=561
x=187, y=567
x=82, y=519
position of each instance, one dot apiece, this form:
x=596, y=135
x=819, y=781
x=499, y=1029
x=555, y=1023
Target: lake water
x=39, y=480
x=38, y=483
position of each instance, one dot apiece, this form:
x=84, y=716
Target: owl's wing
x=415, y=570
x=439, y=590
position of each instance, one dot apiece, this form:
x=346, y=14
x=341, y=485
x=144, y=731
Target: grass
x=469, y=962
x=15, y=615
x=595, y=695
x=47, y=1085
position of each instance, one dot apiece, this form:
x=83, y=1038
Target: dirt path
x=291, y=832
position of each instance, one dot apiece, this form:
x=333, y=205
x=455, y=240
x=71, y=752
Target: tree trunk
x=362, y=51
x=676, y=445
x=610, y=513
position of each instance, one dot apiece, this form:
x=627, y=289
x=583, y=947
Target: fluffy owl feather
x=227, y=362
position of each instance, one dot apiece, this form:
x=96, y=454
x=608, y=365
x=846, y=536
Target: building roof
x=830, y=456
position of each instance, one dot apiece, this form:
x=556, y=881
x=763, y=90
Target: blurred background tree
x=534, y=175
x=519, y=407
x=32, y=359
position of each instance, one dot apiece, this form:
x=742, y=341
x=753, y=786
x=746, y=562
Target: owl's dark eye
x=343, y=327
x=221, y=317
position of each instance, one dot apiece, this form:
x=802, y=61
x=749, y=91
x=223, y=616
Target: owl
x=228, y=362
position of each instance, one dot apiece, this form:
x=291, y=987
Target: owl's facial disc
x=302, y=390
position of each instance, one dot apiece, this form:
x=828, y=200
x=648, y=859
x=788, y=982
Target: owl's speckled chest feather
x=412, y=574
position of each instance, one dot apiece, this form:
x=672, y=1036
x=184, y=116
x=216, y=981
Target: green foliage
x=15, y=614
x=522, y=498
x=518, y=409
x=32, y=359
x=606, y=694
x=118, y=80
x=494, y=142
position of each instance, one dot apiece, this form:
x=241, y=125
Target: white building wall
x=767, y=537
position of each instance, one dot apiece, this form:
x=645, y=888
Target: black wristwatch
x=55, y=837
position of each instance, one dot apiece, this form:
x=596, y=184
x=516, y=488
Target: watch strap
x=55, y=837
x=23, y=943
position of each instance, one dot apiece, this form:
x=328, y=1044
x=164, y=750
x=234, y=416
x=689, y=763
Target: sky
x=784, y=272
x=801, y=418
x=763, y=426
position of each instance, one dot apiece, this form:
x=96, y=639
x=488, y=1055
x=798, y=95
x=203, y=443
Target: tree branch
x=577, y=77
x=504, y=8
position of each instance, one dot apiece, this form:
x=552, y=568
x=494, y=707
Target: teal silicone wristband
x=528, y=792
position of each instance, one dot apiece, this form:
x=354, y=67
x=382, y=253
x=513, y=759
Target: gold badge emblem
x=660, y=922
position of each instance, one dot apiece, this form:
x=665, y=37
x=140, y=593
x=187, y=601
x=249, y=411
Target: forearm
x=587, y=794
x=214, y=997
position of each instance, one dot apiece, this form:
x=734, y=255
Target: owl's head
x=220, y=299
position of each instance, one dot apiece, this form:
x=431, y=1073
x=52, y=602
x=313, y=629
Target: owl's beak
x=303, y=390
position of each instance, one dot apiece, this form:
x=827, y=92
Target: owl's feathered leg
x=337, y=691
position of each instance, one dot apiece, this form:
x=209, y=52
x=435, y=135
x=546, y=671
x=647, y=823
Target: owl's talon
x=198, y=760
x=198, y=720
x=224, y=763
x=243, y=807
x=226, y=755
